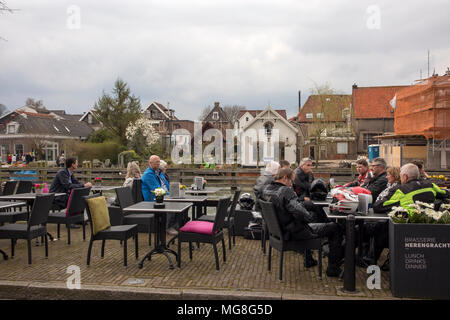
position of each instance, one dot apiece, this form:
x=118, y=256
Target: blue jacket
x=151, y=180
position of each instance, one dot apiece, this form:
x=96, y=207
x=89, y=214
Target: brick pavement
x=243, y=276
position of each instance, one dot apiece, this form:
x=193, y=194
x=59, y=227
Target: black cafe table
x=160, y=215
x=206, y=191
x=198, y=201
x=100, y=189
x=350, y=257
x=7, y=205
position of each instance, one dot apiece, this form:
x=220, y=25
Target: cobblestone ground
x=245, y=269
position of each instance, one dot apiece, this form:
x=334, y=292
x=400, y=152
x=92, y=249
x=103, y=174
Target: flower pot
x=98, y=183
x=159, y=199
x=419, y=260
x=182, y=193
x=38, y=190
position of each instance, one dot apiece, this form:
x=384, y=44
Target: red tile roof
x=373, y=102
x=313, y=105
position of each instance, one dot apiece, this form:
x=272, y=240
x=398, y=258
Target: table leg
x=5, y=256
x=349, y=266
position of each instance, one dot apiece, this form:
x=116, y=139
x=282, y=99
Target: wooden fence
x=241, y=177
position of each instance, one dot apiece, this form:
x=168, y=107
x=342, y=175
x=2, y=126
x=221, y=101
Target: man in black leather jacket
x=379, y=181
x=297, y=223
x=303, y=179
x=263, y=180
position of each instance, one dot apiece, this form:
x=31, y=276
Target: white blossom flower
x=159, y=192
x=147, y=129
x=424, y=204
x=430, y=212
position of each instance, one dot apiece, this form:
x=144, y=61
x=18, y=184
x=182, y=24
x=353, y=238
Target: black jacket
x=291, y=213
x=399, y=196
x=302, y=183
x=265, y=179
x=61, y=182
x=377, y=184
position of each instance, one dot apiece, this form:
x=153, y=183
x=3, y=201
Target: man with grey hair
x=303, y=179
x=264, y=180
x=379, y=180
x=411, y=189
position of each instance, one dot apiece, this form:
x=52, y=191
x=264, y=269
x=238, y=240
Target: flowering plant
x=183, y=187
x=38, y=186
x=159, y=192
x=421, y=212
x=439, y=177
x=97, y=179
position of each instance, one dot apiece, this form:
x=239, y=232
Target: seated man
x=410, y=190
x=296, y=221
x=263, y=180
x=153, y=178
x=65, y=181
x=364, y=174
x=379, y=180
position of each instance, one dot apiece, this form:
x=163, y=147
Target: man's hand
x=306, y=199
x=88, y=184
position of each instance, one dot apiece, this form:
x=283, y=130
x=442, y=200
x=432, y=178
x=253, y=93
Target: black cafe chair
x=35, y=227
x=193, y=231
x=229, y=219
x=118, y=232
x=277, y=241
x=10, y=187
x=74, y=213
x=125, y=199
x=25, y=186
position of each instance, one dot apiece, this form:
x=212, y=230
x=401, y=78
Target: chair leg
x=190, y=250
x=84, y=230
x=29, y=250
x=103, y=248
x=89, y=252
x=234, y=236
x=136, y=245
x=13, y=243
x=125, y=252
x=216, y=254
x=269, y=258
x=68, y=234
x=149, y=235
x=179, y=254
x=229, y=238
x=46, y=246
x=320, y=263
x=224, y=251
x=281, y=264
x=59, y=231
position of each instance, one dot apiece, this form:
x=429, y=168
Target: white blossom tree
x=141, y=135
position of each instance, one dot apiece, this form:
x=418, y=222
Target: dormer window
x=12, y=128
x=246, y=119
x=90, y=118
x=215, y=115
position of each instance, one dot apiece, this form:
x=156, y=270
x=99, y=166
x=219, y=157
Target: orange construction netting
x=424, y=109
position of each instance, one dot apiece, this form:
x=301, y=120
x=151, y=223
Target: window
x=90, y=118
x=50, y=151
x=309, y=116
x=368, y=139
x=319, y=115
x=268, y=128
x=345, y=113
x=11, y=128
x=246, y=119
x=18, y=149
x=342, y=147
x=215, y=115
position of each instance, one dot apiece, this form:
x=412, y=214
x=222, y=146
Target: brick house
x=40, y=130
x=325, y=130
x=372, y=113
x=218, y=119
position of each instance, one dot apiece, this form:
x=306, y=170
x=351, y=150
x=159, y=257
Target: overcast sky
x=192, y=53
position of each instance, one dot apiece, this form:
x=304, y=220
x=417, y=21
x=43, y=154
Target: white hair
x=272, y=167
x=305, y=160
x=162, y=164
x=411, y=170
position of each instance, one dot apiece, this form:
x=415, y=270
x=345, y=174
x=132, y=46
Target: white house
x=265, y=135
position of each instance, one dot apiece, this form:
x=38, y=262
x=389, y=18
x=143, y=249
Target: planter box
x=420, y=260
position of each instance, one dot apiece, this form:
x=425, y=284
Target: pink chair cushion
x=202, y=227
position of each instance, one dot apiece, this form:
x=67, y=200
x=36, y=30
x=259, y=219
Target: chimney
x=299, y=100
x=355, y=86
x=216, y=104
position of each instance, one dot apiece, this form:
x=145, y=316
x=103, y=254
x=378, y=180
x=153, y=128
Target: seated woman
x=379, y=230
x=133, y=172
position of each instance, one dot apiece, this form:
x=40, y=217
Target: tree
x=101, y=135
x=204, y=113
x=3, y=109
x=329, y=105
x=35, y=104
x=118, y=111
x=232, y=112
x=142, y=136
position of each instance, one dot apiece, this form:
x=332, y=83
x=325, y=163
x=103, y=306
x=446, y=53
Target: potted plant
x=419, y=246
x=98, y=181
x=38, y=187
x=159, y=197
x=182, y=190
